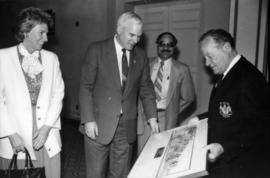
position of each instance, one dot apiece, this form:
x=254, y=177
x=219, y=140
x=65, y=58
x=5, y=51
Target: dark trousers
x=109, y=161
x=253, y=163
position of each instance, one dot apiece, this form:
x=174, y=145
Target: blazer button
x=39, y=118
x=38, y=107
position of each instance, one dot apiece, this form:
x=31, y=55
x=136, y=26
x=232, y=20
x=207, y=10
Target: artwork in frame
x=176, y=153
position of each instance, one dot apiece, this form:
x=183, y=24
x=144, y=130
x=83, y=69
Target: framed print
x=174, y=153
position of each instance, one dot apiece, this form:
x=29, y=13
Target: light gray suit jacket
x=181, y=94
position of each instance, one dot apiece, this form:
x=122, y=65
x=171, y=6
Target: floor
x=73, y=162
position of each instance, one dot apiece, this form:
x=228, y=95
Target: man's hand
x=215, y=150
x=191, y=121
x=16, y=142
x=91, y=129
x=40, y=137
x=154, y=125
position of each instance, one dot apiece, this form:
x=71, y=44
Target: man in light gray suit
x=115, y=71
x=173, y=86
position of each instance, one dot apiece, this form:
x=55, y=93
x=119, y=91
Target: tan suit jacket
x=181, y=94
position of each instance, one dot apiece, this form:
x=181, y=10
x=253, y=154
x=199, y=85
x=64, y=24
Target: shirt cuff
x=152, y=119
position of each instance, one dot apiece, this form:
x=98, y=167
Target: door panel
x=184, y=23
x=155, y=21
x=181, y=19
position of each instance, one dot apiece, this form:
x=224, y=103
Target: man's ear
x=227, y=47
x=119, y=29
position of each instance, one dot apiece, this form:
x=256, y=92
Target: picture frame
x=175, y=153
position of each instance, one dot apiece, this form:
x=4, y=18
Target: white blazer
x=15, y=104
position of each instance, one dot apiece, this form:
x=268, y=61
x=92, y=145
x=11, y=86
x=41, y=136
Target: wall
x=216, y=15
x=251, y=30
x=78, y=22
x=8, y=11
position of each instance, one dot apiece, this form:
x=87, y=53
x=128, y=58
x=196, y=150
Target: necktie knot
x=124, y=51
x=219, y=79
x=161, y=63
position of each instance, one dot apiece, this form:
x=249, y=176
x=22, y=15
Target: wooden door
x=181, y=19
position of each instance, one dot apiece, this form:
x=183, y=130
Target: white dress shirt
x=165, y=81
x=233, y=62
x=119, y=54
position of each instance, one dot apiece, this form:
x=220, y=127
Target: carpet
x=73, y=160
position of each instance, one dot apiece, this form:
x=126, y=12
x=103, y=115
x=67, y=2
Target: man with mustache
x=173, y=87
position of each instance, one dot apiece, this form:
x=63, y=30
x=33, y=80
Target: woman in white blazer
x=31, y=95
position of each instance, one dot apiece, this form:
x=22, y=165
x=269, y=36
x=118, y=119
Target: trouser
x=112, y=160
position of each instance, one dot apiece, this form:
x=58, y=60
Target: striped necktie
x=158, y=81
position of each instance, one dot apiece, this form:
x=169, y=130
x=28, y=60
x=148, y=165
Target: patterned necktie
x=124, y=70
x=158, y=81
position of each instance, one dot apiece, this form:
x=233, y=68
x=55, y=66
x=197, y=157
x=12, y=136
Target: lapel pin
x=225, y=109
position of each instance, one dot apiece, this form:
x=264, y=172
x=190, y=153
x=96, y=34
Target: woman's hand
x=16, y=142
x=40, y=137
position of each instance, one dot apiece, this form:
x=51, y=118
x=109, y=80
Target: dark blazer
x=101, y=98
x=236, y=111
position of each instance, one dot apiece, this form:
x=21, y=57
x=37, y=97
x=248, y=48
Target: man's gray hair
x=121, y=22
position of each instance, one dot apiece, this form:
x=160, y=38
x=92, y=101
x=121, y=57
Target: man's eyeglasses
x=163, y=45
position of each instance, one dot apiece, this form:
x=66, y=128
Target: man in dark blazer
x=115, y=71
x=177, y=90
x=236, y=110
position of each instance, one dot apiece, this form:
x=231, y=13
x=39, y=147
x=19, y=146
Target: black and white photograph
x=134, y=89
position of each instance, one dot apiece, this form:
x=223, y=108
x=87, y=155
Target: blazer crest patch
x=225, y=109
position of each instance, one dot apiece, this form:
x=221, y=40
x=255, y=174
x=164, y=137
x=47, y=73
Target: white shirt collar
x=119, y=48
x=117, y=45
x=233, y=62
x=166, y=62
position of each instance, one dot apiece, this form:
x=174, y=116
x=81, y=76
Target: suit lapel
x=19, y=72
x=228, y=81
x=172, y=84
x=132, y=73
x=153, y=66
x=113, y=63
x=45, y=73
